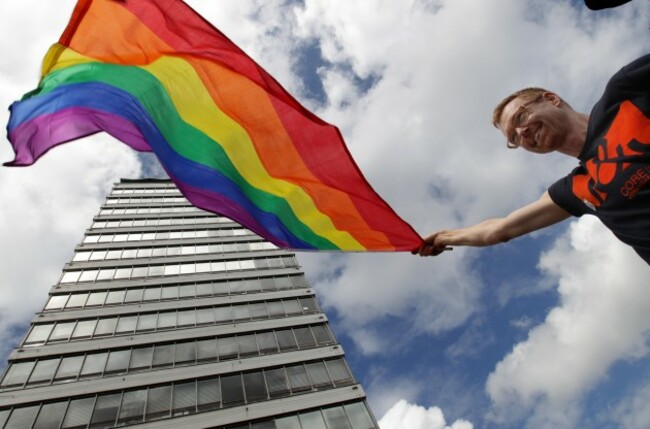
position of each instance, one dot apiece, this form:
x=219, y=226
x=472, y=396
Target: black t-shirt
x=613, y=179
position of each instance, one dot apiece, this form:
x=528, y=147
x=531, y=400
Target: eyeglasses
x=519, y=120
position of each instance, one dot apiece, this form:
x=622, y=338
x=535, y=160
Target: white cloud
x=632, y=412
x=603, y=316
x=404, y=415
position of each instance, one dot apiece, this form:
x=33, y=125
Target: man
x=612, y=181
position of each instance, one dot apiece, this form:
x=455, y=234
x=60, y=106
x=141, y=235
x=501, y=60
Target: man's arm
x=540, y=214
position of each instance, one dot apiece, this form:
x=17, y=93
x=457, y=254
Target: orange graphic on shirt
x=628, y=132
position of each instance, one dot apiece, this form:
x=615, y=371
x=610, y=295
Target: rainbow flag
x=158, y=77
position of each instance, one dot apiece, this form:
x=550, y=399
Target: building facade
x=171, y=317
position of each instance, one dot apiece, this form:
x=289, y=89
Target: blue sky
x=529, y=334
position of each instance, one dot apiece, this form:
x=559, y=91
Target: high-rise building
x=171, y=317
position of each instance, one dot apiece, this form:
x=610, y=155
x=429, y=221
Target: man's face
x=539, y=125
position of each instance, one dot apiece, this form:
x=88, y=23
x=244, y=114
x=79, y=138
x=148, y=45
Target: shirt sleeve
x=562, y=194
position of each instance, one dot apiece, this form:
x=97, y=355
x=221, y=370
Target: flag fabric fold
x=158, y=77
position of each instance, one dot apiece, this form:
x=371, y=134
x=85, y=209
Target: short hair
x=526, y=94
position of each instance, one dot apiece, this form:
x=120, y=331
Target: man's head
x=535, y=119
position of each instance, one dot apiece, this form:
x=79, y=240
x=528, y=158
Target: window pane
x=283, y=283
x=105, y=412
x=56, y=302
x=141, y=358
x=313, y=420
x=39, y=334
x=84, y=329
x=96, y=298
x=172, y=270
x=133, y=295
x=242, y=312
x=232, y=391
x=158, y=402
x=247, y=345
x=51, y=415
x=147, y=322
x=276, y=380
x=290, y=422
x=339, y=371
x=22, y=417
x=170, y=292
x=115, y=297
x=69, y=368
x=88, y=275
x=18, y=374
x=185, y=352
x=304, y=337
x=184, y=399
x=275, y=308
x=105, y=326
x=209, y=394
x=167, y=320
x=132, y=408
x=358, y=415
x=292, y=306
x=322, y=334
x=78, y=415
x=205, y=316
x=258, y=311
x=298, y=379
x=123, y=273
x=335, y=418
x=309, y=305
x=94, y=364
x=286, y=340
x=318, y=374
x=62, y=331
x=70, y=277
x=163, y=355
x=156, y=270
x=152, y=293
x=106, y=274
x=267, y=343
x=126, y=324
x=44, y=371
x=187, y=291
x=118, y=361
x=223, y=314
x=206, y=349
x=254, y=386
x=186, y=318
x=227, y=348
x=203, y=289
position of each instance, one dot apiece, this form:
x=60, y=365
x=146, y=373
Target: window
x=223, y=314
x=258, y=311
x=56, y=302
x=247, y=345
x=158, y=402
x=22, y=417
x=17, y=374
x=322, y=334
x=62, y=331
x=132, y=409
x=152, y=294
x=105, y=327
x=51, y=415
x=118, y=361
x=163, y=355
x=94, y=364
x=358, y=415
x=276, y=380
x=105, y=412
x=39, y=334
x=242, y=312
x=170, y=292
x=147, y=322
x=185, y=352
x=78, y=415
x=290, y=422
x=335, y=418
x=292, y=306
x=167, y=320
x=187, y=318
x=141, y=358
x=126, y=324
x=227, y=348
x=298, y=379
x=206, y=349
x=304, y=337
x=318, y=374
x=275, y=308
x=115, y=297
x=286, y=340
x=232, y=391
x=209, y=394
x=312, y=420
x=69, y=368
x=205, y=316
x=267, y=342
x=254, y=386
x=339, y=371
x=96, y=298
x=184, y=399
x=44, y=371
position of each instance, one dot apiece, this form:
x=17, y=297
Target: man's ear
x=552, y=98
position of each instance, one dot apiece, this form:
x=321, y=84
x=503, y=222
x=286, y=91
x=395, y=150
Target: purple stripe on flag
x=33, y=138
x=223, y=205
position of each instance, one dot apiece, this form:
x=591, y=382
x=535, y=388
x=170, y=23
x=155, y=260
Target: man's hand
x=434, y=244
